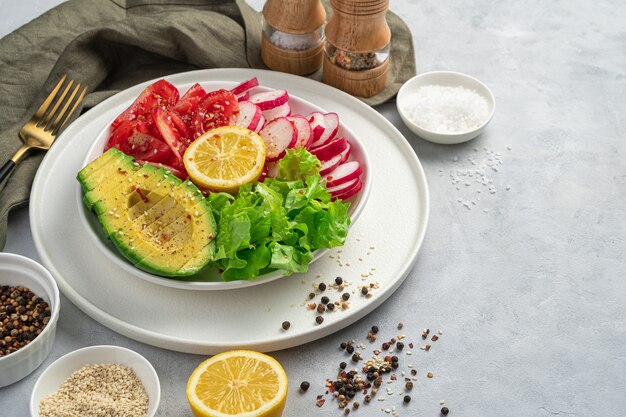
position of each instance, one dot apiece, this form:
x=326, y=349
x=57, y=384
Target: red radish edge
x=330, y=165
x=345, y=154
x=343, y=173
x=331, y=123
x=249, y=115
x=283, y=110
x=348, y=193
x=305, y=133
x=245, y=86
x=278, y=134
x=270, y=99
x=341, y=188
x=316, y=119
x=243, y=97
x=335, y=147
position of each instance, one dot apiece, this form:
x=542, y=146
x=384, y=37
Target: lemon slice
x=225, y=158
x=238, y=383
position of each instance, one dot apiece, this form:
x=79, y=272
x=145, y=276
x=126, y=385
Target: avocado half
x=159, y=223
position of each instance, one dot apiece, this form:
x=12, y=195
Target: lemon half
x=225, y=158
x=238, y=383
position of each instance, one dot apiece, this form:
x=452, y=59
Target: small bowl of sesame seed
x=97, y=381
x=29, y=310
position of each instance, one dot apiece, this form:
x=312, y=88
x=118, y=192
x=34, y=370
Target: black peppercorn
x=444, y=411
x=399, y=345
x=304, y=386
x=321, y=308
x=350, y=349
x=322, y=286
x=319, y=319
x=343, y=345
x=364, y=291
x=343, y=365
x=325, y=300
x=407, y=398
x=355, y=357
x=311, y=295
x=286, y=325
x=330, y=306
x=345, y=296
x=338, y=280
x=374, y=329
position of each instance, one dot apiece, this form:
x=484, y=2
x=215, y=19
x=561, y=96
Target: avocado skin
x=161, y=224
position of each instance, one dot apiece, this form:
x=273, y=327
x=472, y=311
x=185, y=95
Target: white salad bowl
x=210, y=279
x=51, y=379
x=18, y=270
x=445, y=79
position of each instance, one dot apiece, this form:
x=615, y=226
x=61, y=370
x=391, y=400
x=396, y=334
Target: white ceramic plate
x=209, y=278
x=385, y=242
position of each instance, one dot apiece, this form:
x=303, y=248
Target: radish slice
x=330, y=165
x=272, y=169
x=243, y=97
x=343, y=173
x=270, y=99
x=346, y=153
x=283, y=110
x=278, y=134
x=331, y=149
x=305, y=133
x=249, y=115
x=348, y=193
x=259, y=126
x=341, y=188
x=318, y=124
x=331, y=123
x=245, y=86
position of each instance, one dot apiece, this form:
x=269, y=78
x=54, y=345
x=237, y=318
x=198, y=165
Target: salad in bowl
x=222, y=183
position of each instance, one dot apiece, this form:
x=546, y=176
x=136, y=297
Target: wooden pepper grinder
x=293, y=35
x=357, y=47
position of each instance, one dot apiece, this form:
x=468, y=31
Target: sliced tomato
x=218, y=108
x=170, y=133
x=175, y=163
x=189, y=101
x=134, y=139
x=158, y=94
x=183, y=129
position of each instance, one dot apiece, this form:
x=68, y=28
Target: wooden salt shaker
x=358, y=38
x=293, y=35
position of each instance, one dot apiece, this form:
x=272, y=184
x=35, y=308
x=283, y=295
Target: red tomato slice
x=159, y=94
x=170, y=133
x=218, y=108
x=188, y=103
x=134, y=139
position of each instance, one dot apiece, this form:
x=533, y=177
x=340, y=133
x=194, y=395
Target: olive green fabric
x=110, y=45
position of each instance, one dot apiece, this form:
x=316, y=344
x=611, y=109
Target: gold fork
x=41, y=130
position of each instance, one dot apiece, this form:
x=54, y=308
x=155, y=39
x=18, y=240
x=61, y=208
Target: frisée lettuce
x=278, y=224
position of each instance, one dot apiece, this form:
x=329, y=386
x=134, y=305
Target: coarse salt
x=443, y=109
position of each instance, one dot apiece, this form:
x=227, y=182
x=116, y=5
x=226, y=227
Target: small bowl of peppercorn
x=29, y=310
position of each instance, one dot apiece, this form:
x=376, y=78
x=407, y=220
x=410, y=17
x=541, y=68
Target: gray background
x=528, y=283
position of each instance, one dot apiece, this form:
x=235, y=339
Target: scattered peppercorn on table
x=515, y=302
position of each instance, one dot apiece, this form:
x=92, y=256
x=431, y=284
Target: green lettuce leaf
x=279, y=223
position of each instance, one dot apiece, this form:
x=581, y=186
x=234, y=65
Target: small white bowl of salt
x=445, y=107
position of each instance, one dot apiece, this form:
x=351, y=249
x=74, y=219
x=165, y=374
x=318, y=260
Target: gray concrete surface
x=527, y=284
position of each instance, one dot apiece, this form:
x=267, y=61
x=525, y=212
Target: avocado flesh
x=99, y=169
x=137, y=214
